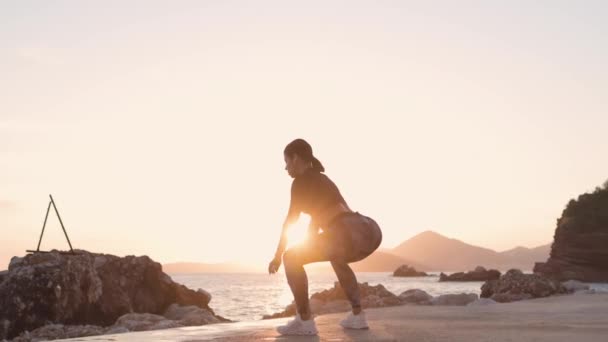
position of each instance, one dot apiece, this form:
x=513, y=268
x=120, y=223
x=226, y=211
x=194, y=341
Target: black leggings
x=348, y=238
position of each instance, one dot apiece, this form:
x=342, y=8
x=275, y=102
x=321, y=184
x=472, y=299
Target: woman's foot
x=298, y=326
x=353, y=321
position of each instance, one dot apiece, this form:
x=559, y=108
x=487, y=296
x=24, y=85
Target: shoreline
x=580, y=317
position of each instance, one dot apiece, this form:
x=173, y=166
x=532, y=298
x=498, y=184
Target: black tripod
x=44, y=225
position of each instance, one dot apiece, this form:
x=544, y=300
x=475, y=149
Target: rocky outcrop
x=415, y=296
x=176, y=316
x=455, y=299
x=479, y=274
x=334, y=300
x=407, y=271
x=515, y=285
x=579, y=247
x=87, y=289
x=59, y=331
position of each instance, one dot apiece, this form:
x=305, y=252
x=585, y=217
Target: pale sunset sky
x=159, y=126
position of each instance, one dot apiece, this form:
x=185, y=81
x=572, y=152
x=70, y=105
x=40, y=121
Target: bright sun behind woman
x=298, y=232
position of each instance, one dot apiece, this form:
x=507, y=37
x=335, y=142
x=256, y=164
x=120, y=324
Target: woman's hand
x=274, y=265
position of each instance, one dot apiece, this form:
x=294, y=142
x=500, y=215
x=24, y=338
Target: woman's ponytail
x=316, y=165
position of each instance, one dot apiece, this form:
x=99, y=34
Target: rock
x=407, y=271
x=479, y=274
x=145, y=321
x=58, y=331
x=290, y=310
x=185, y=296
x=482, y=302
x=575, y=286
x=515, y=285
x=5, y=324
x=384, y=297
x=86, y=289
x=190, y=315
x=3, y=275
x=455, y=299
x=341, y=305
x=579, y=247
x=334, y=300
x=15, y=262
x=415, y=296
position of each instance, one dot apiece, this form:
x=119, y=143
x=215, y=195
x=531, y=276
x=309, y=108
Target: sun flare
x=297, y=232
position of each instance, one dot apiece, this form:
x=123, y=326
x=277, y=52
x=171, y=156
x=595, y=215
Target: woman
x=347, y=237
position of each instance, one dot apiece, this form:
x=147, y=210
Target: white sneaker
x=298, y=326
x=353, y=321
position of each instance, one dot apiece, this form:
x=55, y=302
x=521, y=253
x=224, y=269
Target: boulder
x=190, y=315
x=407, y=271
x=86, y=289
x=579, y=246
x=334, y=300
x=479, y=274
x=415, y=296
x=58, y=331
x=455, y=299
x=515, y=285
x=145, y=321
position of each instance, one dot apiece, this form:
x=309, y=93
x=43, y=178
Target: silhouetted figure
x=346, y=237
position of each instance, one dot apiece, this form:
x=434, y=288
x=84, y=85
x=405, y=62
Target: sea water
x=249, y=296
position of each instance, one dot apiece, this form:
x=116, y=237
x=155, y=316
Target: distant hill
x=384, y=262
x=379, y=261
x=427, y=251
x=440, y=253
x=524, y=258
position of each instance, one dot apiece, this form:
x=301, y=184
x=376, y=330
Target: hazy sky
x=159, y=126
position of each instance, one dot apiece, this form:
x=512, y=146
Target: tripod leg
x=62, y=227
x=43, y=225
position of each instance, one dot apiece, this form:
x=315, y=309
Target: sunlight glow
x=297, y=233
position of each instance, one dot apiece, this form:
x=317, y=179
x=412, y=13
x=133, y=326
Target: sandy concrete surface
x=572, y=318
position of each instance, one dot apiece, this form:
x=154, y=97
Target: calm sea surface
x=249, y=296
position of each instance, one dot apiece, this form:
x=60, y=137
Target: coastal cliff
x=579, y=249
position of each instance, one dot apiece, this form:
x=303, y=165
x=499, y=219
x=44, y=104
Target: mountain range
x=439, y=253
x=427, y=251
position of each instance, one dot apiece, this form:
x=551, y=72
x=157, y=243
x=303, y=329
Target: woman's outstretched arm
x=275, y=263
x=292, y=217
